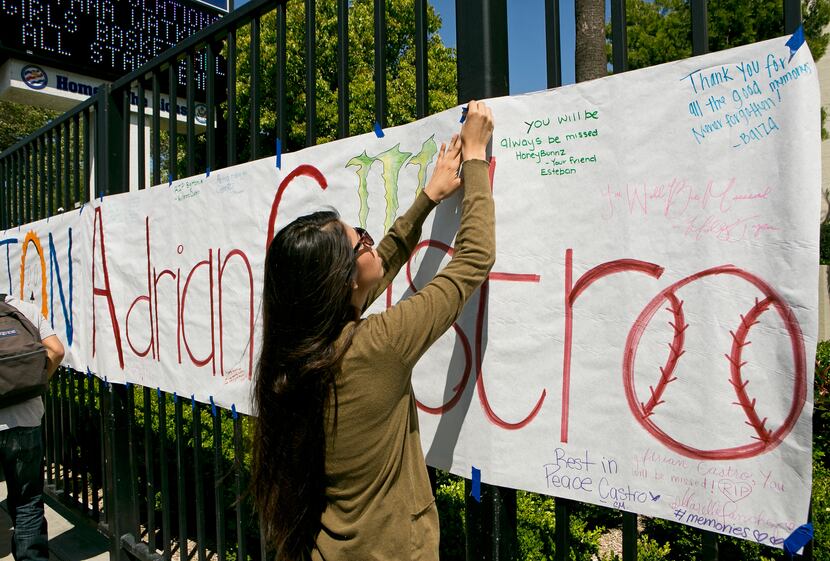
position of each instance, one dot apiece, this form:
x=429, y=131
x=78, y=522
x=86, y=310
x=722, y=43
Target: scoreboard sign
x=101, y=38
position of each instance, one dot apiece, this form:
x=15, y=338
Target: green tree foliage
x=19, y=121
x=400, y=68
x=660, y=31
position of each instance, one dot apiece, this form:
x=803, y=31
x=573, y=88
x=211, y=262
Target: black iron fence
x=161, y=475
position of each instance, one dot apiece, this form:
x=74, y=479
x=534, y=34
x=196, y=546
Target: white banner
x=645, y=340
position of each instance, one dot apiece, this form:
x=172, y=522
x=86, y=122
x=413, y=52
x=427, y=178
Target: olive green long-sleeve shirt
x=380, y=504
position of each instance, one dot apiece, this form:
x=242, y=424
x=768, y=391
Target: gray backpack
x=23, y=358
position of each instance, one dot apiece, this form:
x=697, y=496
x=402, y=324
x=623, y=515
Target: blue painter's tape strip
x=207, y=172
x=795, y=41
x=80, y=212
x=106, y=383
x=233, y=411
x=800, y=537
x=463, y=114
x=129, y=385
x=193, y=402
x=102, y=196
x=88, y=373
x=158, y=392
x=279, y=154
x=169, y=179
x=175, y=398
x=212, y=407
x=378, y=130
x=476, y=494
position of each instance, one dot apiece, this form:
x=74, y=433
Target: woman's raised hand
x=445, y=181
x=476, y=131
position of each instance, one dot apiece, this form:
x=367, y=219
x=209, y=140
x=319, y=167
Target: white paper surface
x=645, y=340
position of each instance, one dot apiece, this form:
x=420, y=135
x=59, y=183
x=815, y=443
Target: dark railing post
x=562, y=530
x=121, y=518
x=552, y=47
x=792, y=15
x=619, y=36
x=482, y=49
x=700, y=27
x=483, y=73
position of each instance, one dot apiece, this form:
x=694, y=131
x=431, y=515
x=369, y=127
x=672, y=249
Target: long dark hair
x=306, y=302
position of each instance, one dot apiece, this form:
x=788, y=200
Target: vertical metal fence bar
x=43, y=178
x=76, y=160
x=167, y=536
x=9, y=189
x=629, y=536
x=380, y=62
x=66, y=432
x=34, y=155
x=562, y=529
x=6, y=164
x=87, y=156
x=4, y=223
x=710, y=546
x=700, y=27
x=57, y=195
x=231, y=154
x=50, y=175
x=149, y=465
x=12, y=191
x=67, y=168
x=96, y=397
x=792, y=15
x=56, y=428
x=109, y=435
x=172, y=85
x=191, y=123
x=281, y=54
x=310, y=72
x=181, y=485
x=421, y=60
x=124, y=127
x=619, y=40
x=199, y=481
x=83, y=435
x=553, y=49
x=254, y=101
x=15, y=207
x=133, y=462
x=28, y=189
x=343, y=68
x=141, y=137
x=218, y=486
x=47, y=420
x=21, y=199
x=239, y=488
x=73, y=431
x=18, y=190
x=210, y=100
x=155, y=149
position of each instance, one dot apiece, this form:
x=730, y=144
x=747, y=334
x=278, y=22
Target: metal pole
x=482, y=49
x=483, y=73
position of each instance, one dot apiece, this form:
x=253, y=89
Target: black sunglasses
x=364, y=239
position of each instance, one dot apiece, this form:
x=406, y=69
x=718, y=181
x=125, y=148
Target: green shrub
x=824, y=244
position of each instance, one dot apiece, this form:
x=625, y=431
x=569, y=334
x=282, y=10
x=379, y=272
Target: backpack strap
x=7, y=309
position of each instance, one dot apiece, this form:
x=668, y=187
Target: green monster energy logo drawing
x=392, y=161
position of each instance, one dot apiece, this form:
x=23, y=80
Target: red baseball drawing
x=761, y=438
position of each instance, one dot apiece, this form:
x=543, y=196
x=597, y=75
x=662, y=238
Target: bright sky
x=525, y=36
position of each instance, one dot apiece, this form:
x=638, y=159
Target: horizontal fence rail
x=164, y=476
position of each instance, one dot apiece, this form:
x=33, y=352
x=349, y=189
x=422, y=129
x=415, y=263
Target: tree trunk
x=591, y=61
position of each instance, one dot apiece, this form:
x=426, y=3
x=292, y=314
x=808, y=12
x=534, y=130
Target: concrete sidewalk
x=66, y=541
